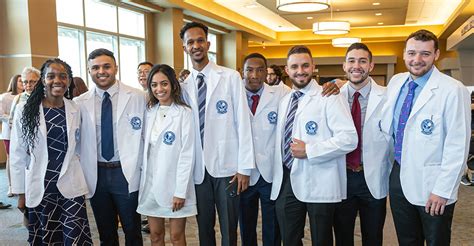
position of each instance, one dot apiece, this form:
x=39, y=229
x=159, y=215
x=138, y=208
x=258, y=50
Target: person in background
x=274, y=76
x=112, y=149
x=183, y=74
x=80, y=87
x=45, y=166
x=167, y=185
x=6, y=99
x=143, y=69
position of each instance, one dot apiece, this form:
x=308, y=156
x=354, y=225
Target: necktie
x=404, y=114
x=255, y=99
x=288, y=133
x=106, y=128
x=202, y=89
x=353, y=159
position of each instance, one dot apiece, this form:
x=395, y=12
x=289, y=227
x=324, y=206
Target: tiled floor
x=13, y=233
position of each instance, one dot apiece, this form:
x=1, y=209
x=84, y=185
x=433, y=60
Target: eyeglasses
x=145, y=72
x=29, y=82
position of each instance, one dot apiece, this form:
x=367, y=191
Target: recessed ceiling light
x=378, y=14
x=380, y=23
x=375, y=4
x=309, y=17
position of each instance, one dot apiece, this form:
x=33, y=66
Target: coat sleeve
x=344, y=135
x=185, y=165
x=19, y=157
x=246, y=154
x=457, y=117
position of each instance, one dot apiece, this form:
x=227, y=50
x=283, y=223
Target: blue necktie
x=202, y=89
x=402, y=120
x=288, y=133
x=106, y=128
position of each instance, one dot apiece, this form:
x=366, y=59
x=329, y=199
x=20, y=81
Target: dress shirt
x=99, y=93
x=250, y=94
x=421, y=82
x=363, y=101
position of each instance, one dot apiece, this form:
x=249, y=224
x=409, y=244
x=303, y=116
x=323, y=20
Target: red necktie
x=353, y=159
x=255, y=99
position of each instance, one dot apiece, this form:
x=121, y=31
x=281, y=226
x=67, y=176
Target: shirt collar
x=364, y=91
x=306, y=89
x=206, y=71
x=421, y=81
x=250, y=94
x=112, y=90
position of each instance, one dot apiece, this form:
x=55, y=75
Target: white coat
x=432, y=162
x=173, y=177
x=28, y=170
x=263, y=130
x=131, y=103
x=228, y=147
x=375, y=147
x=320, y=178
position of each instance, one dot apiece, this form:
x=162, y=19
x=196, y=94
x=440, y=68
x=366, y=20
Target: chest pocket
x=309, y=128
x=428, y=128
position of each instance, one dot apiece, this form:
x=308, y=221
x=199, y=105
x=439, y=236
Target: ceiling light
x=380, y=23
x=331, y=27
x=309, y=18
x=344, y=42
x=378, y=14
x=375, y=4
x=302, y=5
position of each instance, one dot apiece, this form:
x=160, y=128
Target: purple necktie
x=402, y=120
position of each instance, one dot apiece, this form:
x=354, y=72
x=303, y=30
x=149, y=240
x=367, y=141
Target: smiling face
x=300, y=69
x=30, y=81
x=56, y=80
x=102, y=70
x=161, y=88
x=255, y=73
x=195, y=44
x=358, y=66
x=142, y=72
x=419, y=56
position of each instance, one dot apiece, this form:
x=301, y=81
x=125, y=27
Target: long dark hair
x=176, y=91
x=13, y=86
x=30, y=119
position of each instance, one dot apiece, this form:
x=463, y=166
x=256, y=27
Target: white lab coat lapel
x=211, y=83
x=71, y=134
x=305, y=99
x=426, y=93
x=376, y=94
x=389, y=108
x=267, y=95
x=171, y=114
x=123, y=97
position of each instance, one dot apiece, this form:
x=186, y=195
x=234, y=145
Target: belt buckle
x=356, y=170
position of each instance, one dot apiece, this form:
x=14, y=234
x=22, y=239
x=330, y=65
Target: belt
x=113, y=164
x=356, y=170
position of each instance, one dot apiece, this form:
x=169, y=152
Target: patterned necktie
x=202, y=89
x=255, y=100
x=353, y=159
x=106, y=128
x=404, y=114
x=288, y=133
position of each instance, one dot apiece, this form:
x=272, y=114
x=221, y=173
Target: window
x=212, y=53
x=85, y=25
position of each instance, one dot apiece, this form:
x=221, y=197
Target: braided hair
x=30, y=119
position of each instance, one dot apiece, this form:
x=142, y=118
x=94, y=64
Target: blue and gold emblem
x=311, y=128
x=168, y=138
x=221, y=107
x=272, y=117
x=136, y=123
x=427, y=127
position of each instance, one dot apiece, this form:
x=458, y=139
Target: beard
x=300, y=84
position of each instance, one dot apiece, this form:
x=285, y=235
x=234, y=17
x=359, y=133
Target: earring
x=44, y=91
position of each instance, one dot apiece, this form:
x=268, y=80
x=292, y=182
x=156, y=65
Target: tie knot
x=106, y=95
x=255, y=97
x=412, y=85
x=297, y=94
x=200, y=76
x=356, y=95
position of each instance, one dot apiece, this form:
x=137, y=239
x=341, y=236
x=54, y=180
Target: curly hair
x=176, y=91
x=30, y=119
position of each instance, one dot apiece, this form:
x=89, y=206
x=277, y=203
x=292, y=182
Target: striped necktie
x=202, y=89
x=402, y=120
x=288, y=133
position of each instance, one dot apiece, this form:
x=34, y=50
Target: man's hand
x=330, y=89
x=298, y=149
x=242, y=182
x=435, y=205
x=178, y=203
x=21, y=203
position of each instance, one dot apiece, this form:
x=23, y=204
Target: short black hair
x=359, y=46
x=190, y=25
x=424, y=36
x=101, y=52
x=145, y=63
x=277, y=70
x=256, y=55
x=299, y=49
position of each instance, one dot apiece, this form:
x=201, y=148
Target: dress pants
x=111, y=198
x=412, y=223
x=217, y=193
x=249, y=214
x=371, y=213
x=291, y=216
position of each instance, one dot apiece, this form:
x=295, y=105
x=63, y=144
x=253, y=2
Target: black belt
x=112, y=164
